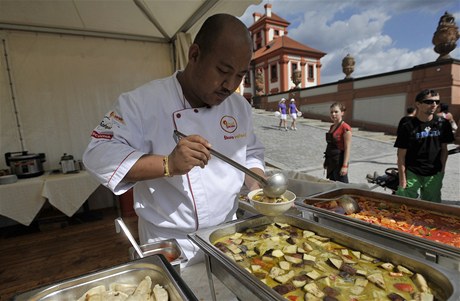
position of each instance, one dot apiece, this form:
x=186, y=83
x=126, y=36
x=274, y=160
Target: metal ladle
x=120, y=225
x=273, y=187
x=347, y=202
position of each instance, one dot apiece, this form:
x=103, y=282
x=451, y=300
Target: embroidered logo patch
x=228, y=124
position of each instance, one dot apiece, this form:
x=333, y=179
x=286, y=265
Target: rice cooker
x=68, y=164
x=25, y=165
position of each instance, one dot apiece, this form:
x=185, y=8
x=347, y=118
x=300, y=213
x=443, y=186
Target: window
x=273, y=73
x=294, y=67
x=277, y=32
x=311, y=72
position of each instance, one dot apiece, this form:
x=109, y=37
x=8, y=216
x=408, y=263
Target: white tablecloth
x=21, y=201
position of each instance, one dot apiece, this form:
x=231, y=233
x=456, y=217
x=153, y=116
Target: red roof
x=288, y=46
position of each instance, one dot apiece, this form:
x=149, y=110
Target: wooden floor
x=30, y=260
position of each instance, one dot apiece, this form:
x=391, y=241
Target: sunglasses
x=430, y=101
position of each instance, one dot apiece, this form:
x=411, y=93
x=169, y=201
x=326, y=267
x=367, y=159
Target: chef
x=178, y=186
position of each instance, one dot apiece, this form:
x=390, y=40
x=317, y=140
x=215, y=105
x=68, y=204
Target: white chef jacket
x=142, y=122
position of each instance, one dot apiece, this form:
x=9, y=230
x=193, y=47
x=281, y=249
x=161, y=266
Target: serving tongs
x=120, y=225
x=273, y=187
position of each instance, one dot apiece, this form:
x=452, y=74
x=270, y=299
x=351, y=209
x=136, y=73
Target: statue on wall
x=296, y=78
x=348, y=66
x=259, y=85
x=446, y=36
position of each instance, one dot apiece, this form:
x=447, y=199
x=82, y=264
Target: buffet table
x=22, y=201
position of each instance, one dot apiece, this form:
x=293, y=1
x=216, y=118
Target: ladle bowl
x=348, y=203
x=276, y=185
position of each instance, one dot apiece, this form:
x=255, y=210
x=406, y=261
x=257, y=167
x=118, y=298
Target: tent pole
x=12, y=91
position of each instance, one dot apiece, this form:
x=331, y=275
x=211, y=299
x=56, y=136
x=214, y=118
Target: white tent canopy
x=64, y=62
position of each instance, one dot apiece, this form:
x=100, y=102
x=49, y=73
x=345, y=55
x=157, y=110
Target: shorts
x=283, y=117
x=294, y=116
x=429, y=187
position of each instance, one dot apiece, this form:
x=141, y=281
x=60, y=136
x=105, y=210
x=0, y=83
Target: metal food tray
x=170, y=248
x=443, y=254
x=155, y=266
x=247, y=287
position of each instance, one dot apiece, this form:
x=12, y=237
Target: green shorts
x=429, y=186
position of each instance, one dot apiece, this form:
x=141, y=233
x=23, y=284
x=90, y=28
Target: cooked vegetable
x=301, y=265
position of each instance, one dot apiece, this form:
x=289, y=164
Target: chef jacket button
x=178, y=115
x=196, y=111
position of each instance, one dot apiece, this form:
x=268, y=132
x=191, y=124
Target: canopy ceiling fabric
x=151, y=20
x=64, y=62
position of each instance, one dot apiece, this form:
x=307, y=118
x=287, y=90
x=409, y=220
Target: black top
x=423, y=143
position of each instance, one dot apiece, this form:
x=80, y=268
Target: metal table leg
x=210, y=280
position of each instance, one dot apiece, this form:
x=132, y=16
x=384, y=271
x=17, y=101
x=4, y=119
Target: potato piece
x=310, y=297
x=387, y=266
x=309, y=257
x=367, y=257
x=299, y=281
x=285, y=278
x=234, y=248
x=250, y=253
x=238, y=257
x=282, y=225
x=236, y=235
x=337, y=263
x=277, y=253
x=284, y=265
x=417, y=296
x=357, y=254
x=307, y=246
x=307, y=233
x=313, y=289
x=291, y=249
x=314, y=274
x=404, y=270
x=293, y=259
x=276, y=271
x=420, y=281
x=377, y=279
x=361, y=272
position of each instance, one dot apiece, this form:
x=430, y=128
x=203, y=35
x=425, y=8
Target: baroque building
x=279, y=63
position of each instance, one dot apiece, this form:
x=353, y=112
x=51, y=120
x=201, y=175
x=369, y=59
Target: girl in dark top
x=338, y=145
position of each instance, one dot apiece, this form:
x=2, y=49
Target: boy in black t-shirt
x=422, y=150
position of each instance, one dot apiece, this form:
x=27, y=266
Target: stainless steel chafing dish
x=443, y=254
x=155, y=266
x=247, y=287
x=170, y=248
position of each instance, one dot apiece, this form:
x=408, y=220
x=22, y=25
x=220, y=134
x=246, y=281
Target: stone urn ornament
x=348, y=66
x=259, y=83
x=296, y=78
x=446, y=36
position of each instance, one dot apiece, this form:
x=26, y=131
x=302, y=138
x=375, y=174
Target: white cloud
x=357, y=27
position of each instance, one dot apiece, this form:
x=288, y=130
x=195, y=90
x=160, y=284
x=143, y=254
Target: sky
x=381, y=35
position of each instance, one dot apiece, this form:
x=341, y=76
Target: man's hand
x=189, y=152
